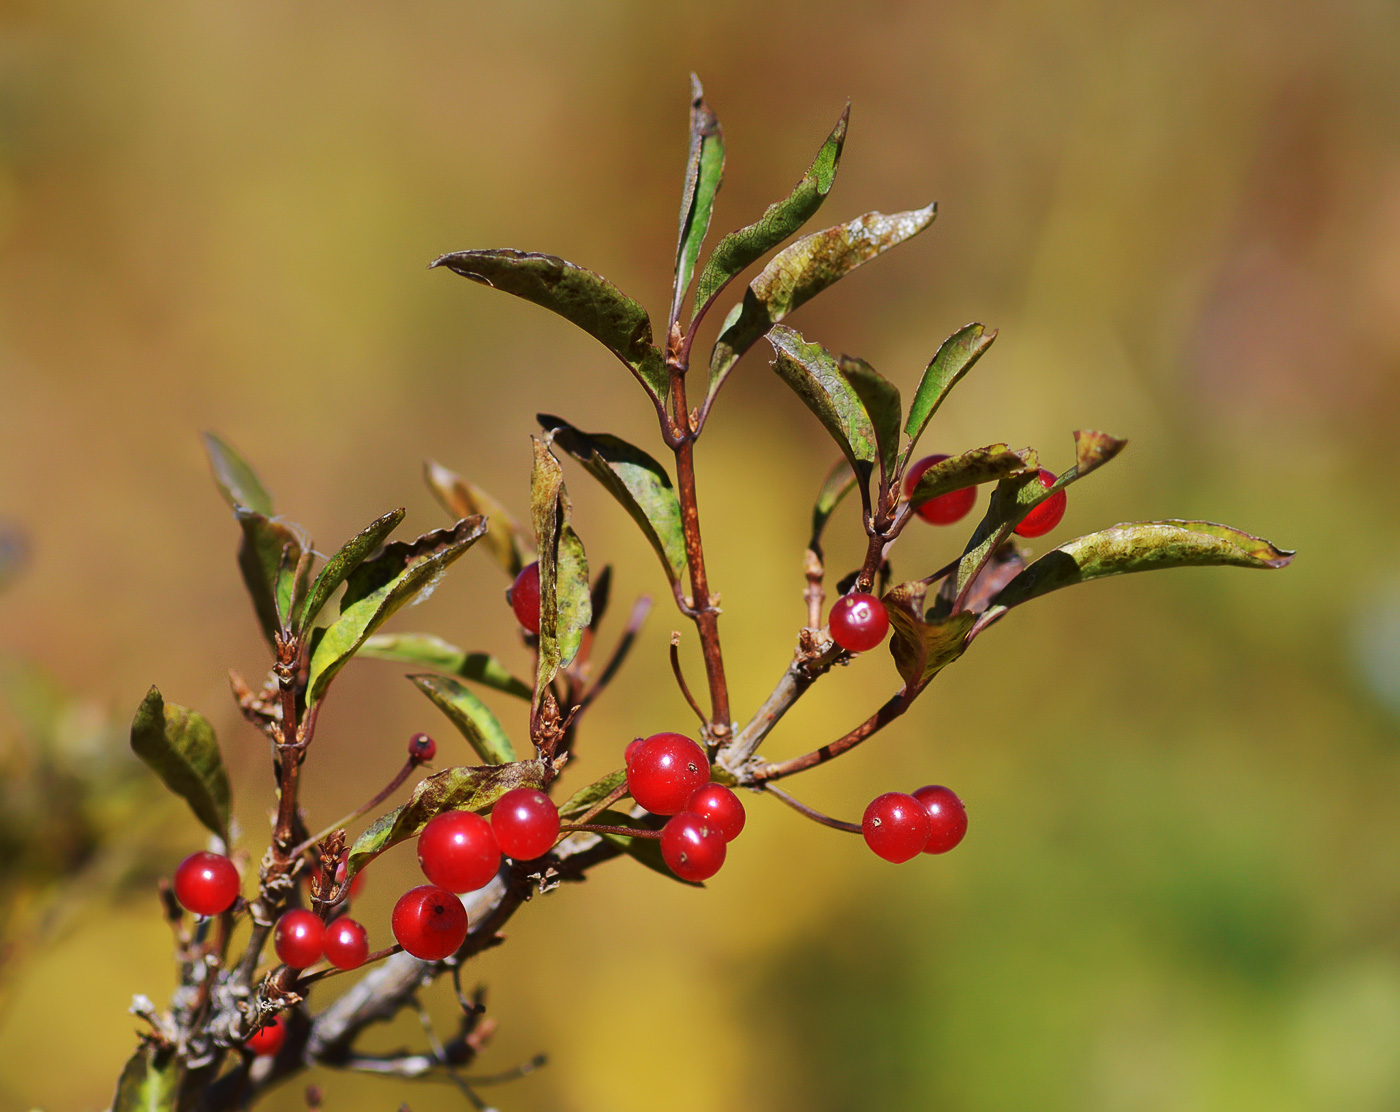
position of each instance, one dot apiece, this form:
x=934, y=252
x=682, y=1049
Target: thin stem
x=625, y=831
x=640, y=609
x=321, y=974
x=680, y=676
x=892, y=709
x=607, y=801
x=383, y=794
x=811, y=812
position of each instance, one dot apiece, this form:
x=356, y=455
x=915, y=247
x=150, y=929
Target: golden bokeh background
x=1181, y=887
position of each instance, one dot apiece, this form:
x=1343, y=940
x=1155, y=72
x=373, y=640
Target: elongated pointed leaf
x=426, y=651
x=880, y=397
x=465, y=788
x=738, y=250
x=636, y=480
x=922, y=648
x=395, y=558
x=422, y=568
x=180, y=746
x=504, y=538
x=150, y=1081
x=971, y=468
x=238, y=482
x=839, y=482
x=579, y=296
x=704, y=171
x=647, y=851
x=588, y=797
x=566, y=604
x=470, y=715
x=270, y=560
x=815, y=376
x=800, y=272
x=340, y=566
x=953, y=359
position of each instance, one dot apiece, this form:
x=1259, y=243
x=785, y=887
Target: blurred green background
x=1181, y=887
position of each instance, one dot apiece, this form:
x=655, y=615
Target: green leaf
x=1141, y=546
x=150, y=1081
x=425, y=650
x=839, y=482
x=815, y=376
x=422, y=563
x=704, y=171
x=465, y=788
x=880, y=397
x=180, y=746
x=504, y=539
x=738, y=250
x=395, y=558
x=566, y=606
x=971, y=468
x=953, y=359
x=636, y=480
x=645, y=850
x=339, y=567
x=800, y=272
x=922, y=648
x=587, y=797
x=579, y=296
x=239, y=483
x=471, y=716
x=270, y=560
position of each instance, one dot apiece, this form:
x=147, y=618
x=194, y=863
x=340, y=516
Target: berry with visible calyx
x=526, y=823
x=1046, y=515
x=346, y=945
x=947, y=815
x=858, y=622
x=692, y=848
x=946, y=508
x=422, y=748
x=458, y=851
x=665, y=771
x=524, y=595
x=299, y=938
x=206, y=883
x=267, y=1040
x=429, y=922
x=719, y=807
x=896, y=826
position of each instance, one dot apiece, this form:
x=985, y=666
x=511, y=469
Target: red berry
x=429, y=922
x=631, y=751
x=206, y=883
x=665, y=771
x=299, y=938
x=525, y=822
x=859, y=622
x=347, y=945
x=896, y=826
x=458, y=851
x=946, y=508
x=524, y=596
x=1046, y=515
x=692, y=848
x=719, y=807
x=947, y=814
x=422, y=748
x=267, y=1040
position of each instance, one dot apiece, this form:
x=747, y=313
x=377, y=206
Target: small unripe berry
x=267, y=1040
x=719, y=807
x=429, y=922
x=347, y=945
x=691, y=847
x=299, y=938
x=524, y=596
x=946, y=508
x=422, y=748
x=947, y=816
x=665, y=771
x=526, y=823
x=896, y=826
x=457, y=851
x=1046, y=515
x=206, y=883
x=858, y=622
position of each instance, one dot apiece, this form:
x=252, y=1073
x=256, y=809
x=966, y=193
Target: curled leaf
x=566, y=605
x=922, y=648
x=971, y=468
x=180, y=746
x=704, y=171
x=340, y=566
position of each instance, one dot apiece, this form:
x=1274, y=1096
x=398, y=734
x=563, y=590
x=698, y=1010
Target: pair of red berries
x=899, y=826
x=301, y=940
x=953, y=506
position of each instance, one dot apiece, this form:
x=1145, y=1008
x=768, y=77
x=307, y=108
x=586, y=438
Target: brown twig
x=893, y=708
x=680, y=676
x=811, y=812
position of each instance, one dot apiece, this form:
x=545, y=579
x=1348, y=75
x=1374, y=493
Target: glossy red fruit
x=947, y=815
x=346, y=945
x=946, y=508
x=526, y=823
x=206, y=883
x=719, y=807
x=691, y=847
x=665, y=771
x=525, y=597
x=858, y=622
x=1046, y=515
x=631, y=750
x=429, y=922
x=458, y=851
x=422, y=748
x=267, y=1040
x=299, y=938
x=896, y=826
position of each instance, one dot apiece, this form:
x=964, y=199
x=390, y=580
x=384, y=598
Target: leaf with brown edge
x=953, y=359
x=580, y=296
x=470, y=715
x=504, y=539
x=704, y=171
x=340, y=566
x=566, y=605
x=922, y=648
x=816, y=378
x=589, y=796
x=971, y=468
x=395, y=558
x=880, y=397
x=464, y=788
x=839, y=482
x=424, y=650
x=180, y=747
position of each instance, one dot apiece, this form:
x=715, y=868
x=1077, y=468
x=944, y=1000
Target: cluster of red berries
x=953, y=506
x=669, y=774
x=899, y=827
